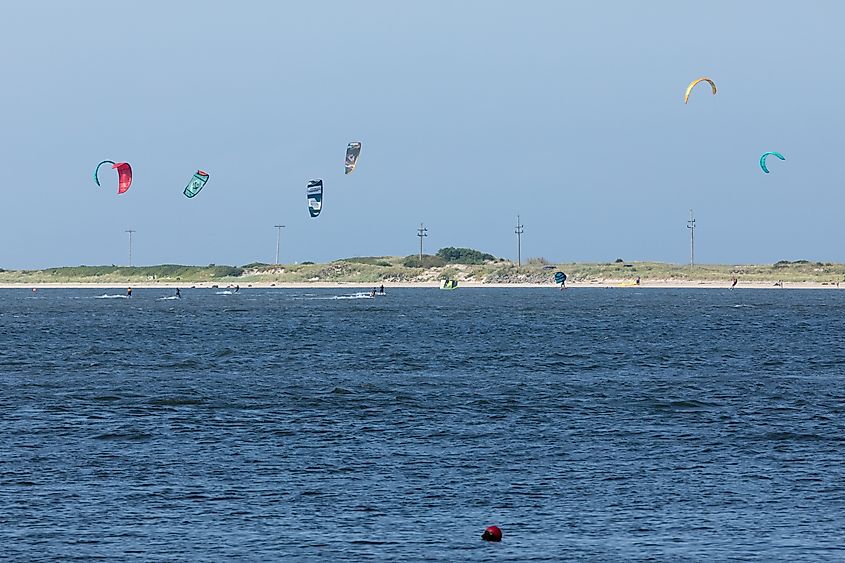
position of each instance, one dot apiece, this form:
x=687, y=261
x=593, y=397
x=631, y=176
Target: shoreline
x=654, y=284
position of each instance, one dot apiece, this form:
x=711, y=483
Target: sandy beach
x=607, y=284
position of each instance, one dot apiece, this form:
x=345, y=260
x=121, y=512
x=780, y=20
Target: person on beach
x=638, y=280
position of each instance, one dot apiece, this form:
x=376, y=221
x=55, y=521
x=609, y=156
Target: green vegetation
x=119, y=274
x=428, y=261
x=387, y=269
x=373, y=260
x=454, y=255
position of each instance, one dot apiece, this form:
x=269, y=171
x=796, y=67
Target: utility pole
x=130, y=231
x=421, y=232
x=518, y=230
x=278, y=238
x=691, y=227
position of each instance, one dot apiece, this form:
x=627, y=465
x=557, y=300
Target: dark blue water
x=588, y=424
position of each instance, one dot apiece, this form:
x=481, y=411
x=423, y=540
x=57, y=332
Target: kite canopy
x=314, y=193
x=765, y=156
x=352, y=152
x=696, y=81
x=560, y=277
x=124, y=174
x=196, y=184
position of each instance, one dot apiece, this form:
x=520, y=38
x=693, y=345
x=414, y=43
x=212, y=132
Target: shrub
x=369, y=260
x=463, y=255
x=225, y=271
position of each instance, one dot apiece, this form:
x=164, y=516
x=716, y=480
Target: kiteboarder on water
x=178, y=294
x=733, y=283
x=128, y=292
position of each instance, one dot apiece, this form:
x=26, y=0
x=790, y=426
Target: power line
x=422, y=232
x=130, y=231
x=518, y=230
x=691, y=227
x=278, y=239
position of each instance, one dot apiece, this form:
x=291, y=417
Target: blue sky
x=570, y=114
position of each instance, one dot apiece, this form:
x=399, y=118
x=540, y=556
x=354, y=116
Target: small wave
x=177, y=401
x=799, y=437
x=223, y=293
x=684, y=406
x=107, y=296
x=124, y=436
x=169, y=298
x=182, y=363
x=360, y=295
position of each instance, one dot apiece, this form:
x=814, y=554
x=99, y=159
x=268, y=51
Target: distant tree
x=618, y=261
x=454, y=255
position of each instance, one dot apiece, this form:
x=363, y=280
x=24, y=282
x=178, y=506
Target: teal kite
x=196, y=184
x=763, y=159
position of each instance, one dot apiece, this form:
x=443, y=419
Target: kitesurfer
x=128, y=292
x=733, y=283
x=381, y=289
x=178, y=293
x=237, y=288
x=373, y=292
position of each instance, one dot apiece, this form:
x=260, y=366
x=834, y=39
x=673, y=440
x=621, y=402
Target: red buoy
x=492, y=533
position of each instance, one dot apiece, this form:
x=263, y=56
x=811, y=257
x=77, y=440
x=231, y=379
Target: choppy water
x=588, y=424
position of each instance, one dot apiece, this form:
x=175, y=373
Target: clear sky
x=568, y=113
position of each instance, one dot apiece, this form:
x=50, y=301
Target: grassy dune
x=387, y=269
